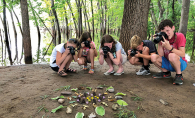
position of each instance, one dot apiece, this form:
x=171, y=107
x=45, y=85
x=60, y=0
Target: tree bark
x=135, y=21
x=184, y=17
x=193, y=48
x=26, y=32
x=161, y=11
x=80, y=18
x=67, y=29
x=173, y=10
x=56, y=19
x=92, y=19
x=6, y=33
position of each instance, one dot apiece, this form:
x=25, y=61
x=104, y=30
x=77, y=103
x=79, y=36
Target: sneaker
x=178, y=80
x=143, y=71
x=162, y=75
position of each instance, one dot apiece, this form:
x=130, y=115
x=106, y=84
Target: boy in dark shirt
x=144, y=50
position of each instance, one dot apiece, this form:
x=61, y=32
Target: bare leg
x=120, y=69
x=135, y=61
x=175, y=62
x=64, y=63
x=157, y=61
x=146, y=52
x=110, y=64
x=90, y=57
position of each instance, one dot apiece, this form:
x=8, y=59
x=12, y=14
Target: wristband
x=171, y=49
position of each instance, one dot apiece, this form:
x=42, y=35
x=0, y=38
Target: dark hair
x=84, y=37
x=165, y=23
x=72, y=40
x=108, y=39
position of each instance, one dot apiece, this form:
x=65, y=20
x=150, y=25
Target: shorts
x=167, y=65
x=55, y=68
x=142, y=61
x=124, y=58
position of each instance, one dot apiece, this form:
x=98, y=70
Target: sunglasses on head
x=75, y=41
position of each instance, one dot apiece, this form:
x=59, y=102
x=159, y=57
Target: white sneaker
x=143, y=71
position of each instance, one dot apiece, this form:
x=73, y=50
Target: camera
x=72, y=50
x=133, y=52
x=105, y=49
x=87, y=43
x=159, y=37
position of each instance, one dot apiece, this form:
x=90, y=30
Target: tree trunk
x=173, y=15
x=92, y=19
x=135, y=21
x=15, y=35
x=1, y=46
x=80, y=18
x=161, y=11
x=67, y=29
x=86, y=16
x=56, y=19
x=167, y=9
x=184, y=17
x=193, y=48
x=74, y=20
x=105, y=20
x=6, y=33
x=26, y=32
x=38, y=32
x=153, y=17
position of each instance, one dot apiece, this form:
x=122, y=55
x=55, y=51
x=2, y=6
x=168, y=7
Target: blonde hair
x=135, y=41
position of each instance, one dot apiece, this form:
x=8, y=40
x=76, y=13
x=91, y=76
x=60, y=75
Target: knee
x=91, y=51
x=80, y=62
x=132, y=62
x=146, y=51
x=173, y=57
x=154, y=58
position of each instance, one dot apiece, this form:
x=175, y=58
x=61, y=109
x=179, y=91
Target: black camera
x=105, y=49
x=133, y=52
x=72, y=50
x=87, y=43
x=159, y=37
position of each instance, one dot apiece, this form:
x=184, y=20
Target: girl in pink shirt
x=87, y=51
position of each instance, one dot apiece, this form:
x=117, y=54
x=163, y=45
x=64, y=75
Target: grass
x=42, y=107
x=136, y=98
x=125, y=113
x=63, y=87
x=44, y=96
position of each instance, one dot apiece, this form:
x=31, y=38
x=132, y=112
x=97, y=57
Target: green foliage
x=100, y=110
x=59, y=107
x=63, y=87
x=125, y=113
x=42, y=107
x=58, y=97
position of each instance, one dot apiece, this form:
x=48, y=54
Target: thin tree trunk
x=56, y=19
x=15, y=35
x=67, y=29
x=53, y=30
x=105, y=13
x=5, y=30
x=1, y=46
x=80, y=18
x=74, y=20
x=184, y=17
x=167, y=9
x=173, y=10
x=98, y=4
x=86, y=16
x=92, y=18
x=26, y=32
x=135, y=21
x=161, y=11
x=38, y=32
x=193, y=48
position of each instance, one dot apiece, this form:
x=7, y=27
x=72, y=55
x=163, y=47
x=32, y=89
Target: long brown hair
x=109, y=39
x=84, y=37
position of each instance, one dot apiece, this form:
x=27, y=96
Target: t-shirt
x=60, y=48
x=86, y=49
x=118, y=46
x=179, y=42
x=150, y=45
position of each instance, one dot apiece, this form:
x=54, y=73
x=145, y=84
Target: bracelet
x=171, y=49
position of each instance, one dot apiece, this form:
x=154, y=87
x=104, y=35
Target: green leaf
x=54, y=110
x=74, y=89
x=120, y=94
x=89, y=88
x=58, y=97
x=74, y=96
x=122, y=103
x=100, y=110
x=79, y=115
x=72, y=102
x=109, y=88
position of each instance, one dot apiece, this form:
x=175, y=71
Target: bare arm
x=118, y=57
x=60, y=57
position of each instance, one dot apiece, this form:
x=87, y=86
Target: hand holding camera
x=72, y=50
x=133, y=52
x=159, y=37
x=105, y=49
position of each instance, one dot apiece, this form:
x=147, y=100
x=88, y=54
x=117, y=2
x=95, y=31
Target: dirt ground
x=21, y=88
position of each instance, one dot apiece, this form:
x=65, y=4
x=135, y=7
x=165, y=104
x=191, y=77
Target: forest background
x=54, y=22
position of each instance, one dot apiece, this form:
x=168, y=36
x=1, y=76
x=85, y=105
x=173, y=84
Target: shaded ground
x=22, y=86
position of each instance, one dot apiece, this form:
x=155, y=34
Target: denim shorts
x=167, y=65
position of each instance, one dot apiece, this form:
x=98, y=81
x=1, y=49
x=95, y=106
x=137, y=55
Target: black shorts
x=142, y=61
x=55, y=68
